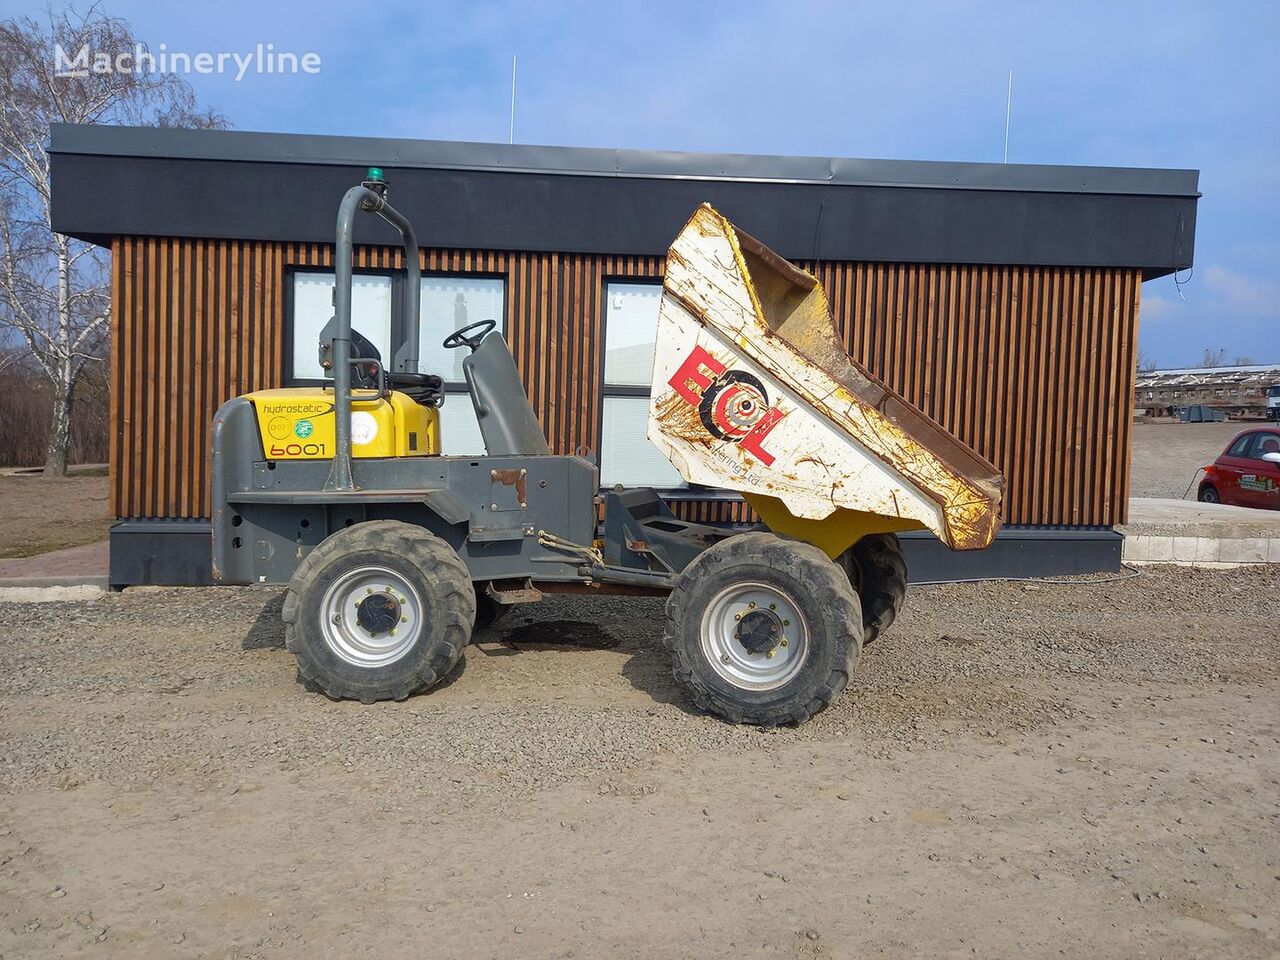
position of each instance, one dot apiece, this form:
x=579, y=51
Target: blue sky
x=1124, y=84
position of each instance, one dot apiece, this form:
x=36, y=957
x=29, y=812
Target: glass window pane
x=313, y=306
x=630, y=329
x=459, y=429
x=447, y=304
x=1241, y=446
x=626, y=456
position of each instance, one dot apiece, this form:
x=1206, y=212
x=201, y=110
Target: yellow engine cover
x=297, y=423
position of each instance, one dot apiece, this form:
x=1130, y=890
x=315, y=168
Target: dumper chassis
x=393, y=554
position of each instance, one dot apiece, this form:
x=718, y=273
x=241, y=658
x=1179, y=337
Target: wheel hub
x=371, y=616
x=378, y=612
x=759, y=631
x=754, y=635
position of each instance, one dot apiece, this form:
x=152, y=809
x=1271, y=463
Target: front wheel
x=378, y=611
x=763, y=630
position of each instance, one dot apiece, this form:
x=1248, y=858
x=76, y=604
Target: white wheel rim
x=722, y=633
x=385, y=597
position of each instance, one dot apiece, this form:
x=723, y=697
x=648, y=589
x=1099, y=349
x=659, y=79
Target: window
x=313, y=307
x=630, y=331
x=1241, y=447
x=448, y=304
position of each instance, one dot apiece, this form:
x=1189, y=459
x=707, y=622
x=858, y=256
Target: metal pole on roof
x=511, y=135
x=1008, y=110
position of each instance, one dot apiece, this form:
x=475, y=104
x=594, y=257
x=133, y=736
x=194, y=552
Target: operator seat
x=425, y=389
x=507, y=421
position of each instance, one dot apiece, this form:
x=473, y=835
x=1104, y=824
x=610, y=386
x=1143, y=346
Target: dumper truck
x=393, y=554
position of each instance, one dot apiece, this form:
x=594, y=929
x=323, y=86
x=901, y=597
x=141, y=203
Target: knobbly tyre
x=393, y=553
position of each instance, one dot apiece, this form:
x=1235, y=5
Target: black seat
x=426, y=389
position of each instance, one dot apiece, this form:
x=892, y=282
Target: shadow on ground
x=267, y=630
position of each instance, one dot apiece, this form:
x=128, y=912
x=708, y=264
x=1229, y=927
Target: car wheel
x=1209, y=494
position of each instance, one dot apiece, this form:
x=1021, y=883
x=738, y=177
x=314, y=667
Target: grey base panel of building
x=178, y=553
x=1017, y=553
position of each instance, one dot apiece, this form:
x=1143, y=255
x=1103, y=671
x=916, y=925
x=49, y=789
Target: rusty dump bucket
x=753, y=392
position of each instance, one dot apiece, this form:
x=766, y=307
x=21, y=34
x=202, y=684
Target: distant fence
x=26, y=405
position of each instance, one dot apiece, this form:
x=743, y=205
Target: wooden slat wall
x=1032, y=366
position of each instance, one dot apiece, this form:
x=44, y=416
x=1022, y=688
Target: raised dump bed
x=753, y=392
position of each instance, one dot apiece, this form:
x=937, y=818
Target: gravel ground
x=1031, y=769
x=1167, y=455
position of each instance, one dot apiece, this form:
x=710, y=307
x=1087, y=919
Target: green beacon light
x=375, y=175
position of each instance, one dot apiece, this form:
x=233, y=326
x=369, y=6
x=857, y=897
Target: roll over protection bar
x=369, y=197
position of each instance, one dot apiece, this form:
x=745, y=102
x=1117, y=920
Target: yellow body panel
x=833, y=535
x=297, y=423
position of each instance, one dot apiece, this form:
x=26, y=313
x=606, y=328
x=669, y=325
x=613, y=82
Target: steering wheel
x=459, y=337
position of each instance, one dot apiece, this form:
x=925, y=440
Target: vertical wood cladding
x=1032, y=366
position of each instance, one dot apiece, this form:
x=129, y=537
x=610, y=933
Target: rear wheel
x=763, y=630
x=378, y=611
x=877, y=569
x=1209, y=494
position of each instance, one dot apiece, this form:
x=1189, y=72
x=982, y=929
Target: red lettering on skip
x=752, y=442
x=696, y=374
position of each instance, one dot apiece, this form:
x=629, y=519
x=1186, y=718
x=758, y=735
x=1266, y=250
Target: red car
x=1248, y=472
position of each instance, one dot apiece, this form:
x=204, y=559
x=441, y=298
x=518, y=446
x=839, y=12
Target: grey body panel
x=507, y=421
x=267, y=515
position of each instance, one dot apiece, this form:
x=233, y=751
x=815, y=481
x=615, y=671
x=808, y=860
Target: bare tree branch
x=54, y=290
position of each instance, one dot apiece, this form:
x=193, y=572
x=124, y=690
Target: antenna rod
x=511, y=135
x=1008, y=109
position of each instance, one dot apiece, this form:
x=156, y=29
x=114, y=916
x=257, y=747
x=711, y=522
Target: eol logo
x=732, y=404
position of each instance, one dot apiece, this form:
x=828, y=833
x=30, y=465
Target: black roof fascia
x=112, y=181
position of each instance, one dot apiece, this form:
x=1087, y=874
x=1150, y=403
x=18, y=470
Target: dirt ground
x=1017, y=770
x=1166, y=456
x=39, y=514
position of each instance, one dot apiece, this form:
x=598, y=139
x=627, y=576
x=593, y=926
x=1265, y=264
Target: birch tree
x=54, y=297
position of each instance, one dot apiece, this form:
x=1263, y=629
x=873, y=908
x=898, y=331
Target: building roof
x=1255, y=373
x=267, y=186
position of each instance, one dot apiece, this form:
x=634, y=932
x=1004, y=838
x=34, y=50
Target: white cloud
x=1159, y=310
x=1244, y=295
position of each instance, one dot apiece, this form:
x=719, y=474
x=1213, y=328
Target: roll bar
x=370, y=197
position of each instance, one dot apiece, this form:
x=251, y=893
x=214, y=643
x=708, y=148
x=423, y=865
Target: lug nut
x=786, y=623
x=782, y=642
x=751, y=605
x=725, y=659
x=737, y=616
x=773, y=606
x=772, y=653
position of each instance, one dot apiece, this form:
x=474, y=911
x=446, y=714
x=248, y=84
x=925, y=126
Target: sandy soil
x=1167, y=455
x=39, y=514
x=1018, y=770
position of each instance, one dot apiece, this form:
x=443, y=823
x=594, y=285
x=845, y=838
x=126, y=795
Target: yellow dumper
x=394, y=554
